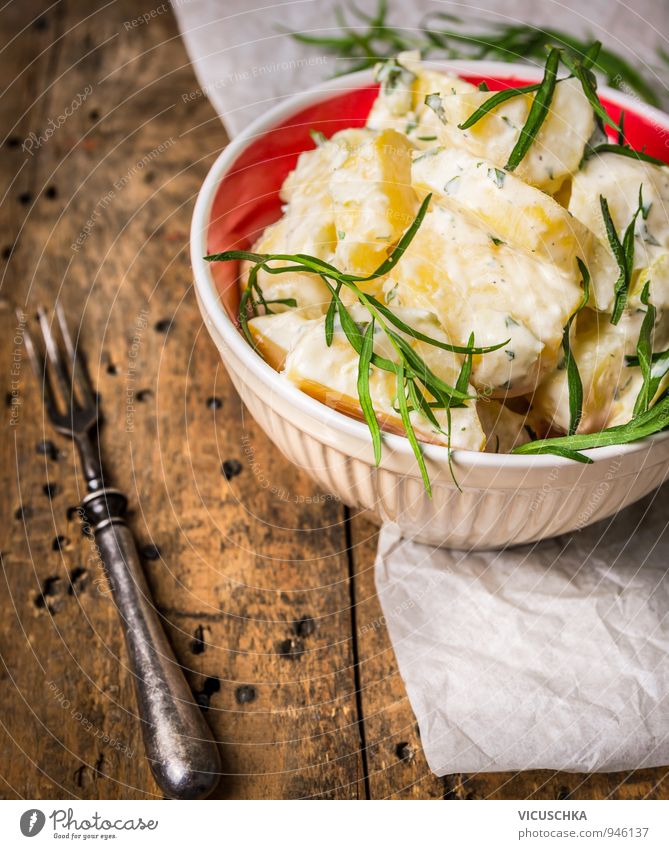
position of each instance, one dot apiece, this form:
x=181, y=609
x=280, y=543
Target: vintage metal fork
x=179, y=746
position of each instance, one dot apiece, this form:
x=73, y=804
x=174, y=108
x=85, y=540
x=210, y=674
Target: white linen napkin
x=546, y=656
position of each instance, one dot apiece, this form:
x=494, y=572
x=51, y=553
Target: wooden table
x=265, y=585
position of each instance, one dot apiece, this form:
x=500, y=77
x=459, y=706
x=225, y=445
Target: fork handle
x=180, y=748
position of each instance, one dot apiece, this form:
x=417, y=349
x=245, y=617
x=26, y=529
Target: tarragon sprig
x=581, y=69
x=523, y=42
x=415, y=381
x=659, y=367
x=538, y=111
x=493, y=102
x=372, y=38
x=574, y=382
x=654, y=420
x=622, y=150
x=623, y=253
x=654, y=366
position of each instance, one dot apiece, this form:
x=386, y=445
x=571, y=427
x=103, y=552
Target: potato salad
x=482, y=270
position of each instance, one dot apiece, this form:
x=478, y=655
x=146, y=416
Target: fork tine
x=38, y=365
x=79, y=372
x=55, y=359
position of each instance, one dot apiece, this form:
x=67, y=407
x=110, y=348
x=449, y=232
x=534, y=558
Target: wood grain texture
x=264, y=583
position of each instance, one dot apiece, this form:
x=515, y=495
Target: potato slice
x=307, y=184
x=618, y=179
x=504, y=429
x=400, y=105
x=508, y=208
x=456, y=269
x=308, y=223
x=329, y=374
x=276, y=334
x=373, y=201
x=299, y=231
x=556, y=151
x=599, y=349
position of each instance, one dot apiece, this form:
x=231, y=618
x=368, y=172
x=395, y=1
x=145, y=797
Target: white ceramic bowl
x=504, y=499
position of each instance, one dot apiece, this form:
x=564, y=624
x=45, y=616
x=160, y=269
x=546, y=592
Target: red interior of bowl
x=247, y=198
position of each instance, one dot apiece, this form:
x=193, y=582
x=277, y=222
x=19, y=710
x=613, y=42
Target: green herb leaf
x=433, y=101
x=329, y=318
x=623, y=253
x=408, y=427
x=287, y=302
x=317, y=137
x=574, y=382
x=621, y=131
x=581, y=70
x=493, y=102
x=652, y=421
x=538, y=111
x=623, y=150
x=498, y=176
x=388, y=264
x=644, y=354
x=366, y=405
x=462, y=382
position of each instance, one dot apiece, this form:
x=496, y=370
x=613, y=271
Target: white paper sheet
x=551, y=656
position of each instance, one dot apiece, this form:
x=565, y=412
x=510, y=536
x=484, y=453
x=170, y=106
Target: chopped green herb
x=391, y=73
x=451, y=187
x=392, y=294
x=498, y=176
x=317, y=137
x=434, y=102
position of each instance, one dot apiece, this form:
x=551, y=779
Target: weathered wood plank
x=397, y=766
x=253, y=582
